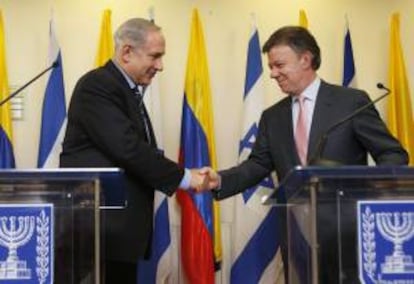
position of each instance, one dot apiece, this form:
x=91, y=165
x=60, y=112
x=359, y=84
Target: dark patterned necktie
x=149, y=134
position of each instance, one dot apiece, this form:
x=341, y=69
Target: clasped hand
x=204, y=179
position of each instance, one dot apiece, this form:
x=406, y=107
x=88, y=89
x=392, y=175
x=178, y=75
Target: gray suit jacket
x=349, y=144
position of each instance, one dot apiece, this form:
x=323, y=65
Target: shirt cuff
x=186, y=180
x=218, y=188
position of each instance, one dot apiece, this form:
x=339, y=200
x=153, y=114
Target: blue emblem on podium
x=386, y=241
x=26, y=243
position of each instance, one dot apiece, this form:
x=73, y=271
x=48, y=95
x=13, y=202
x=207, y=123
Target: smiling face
x=142, y=62
x=292, y=71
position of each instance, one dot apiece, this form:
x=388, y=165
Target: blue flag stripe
x=258, y=253
x=196, y=155
x=267, y=182
x=158, y=267
x=253, y=72
x=53, y=113
x=254, y=63
x=349, y=67
x=260, y=236
x=161, y=240
x=6, y=150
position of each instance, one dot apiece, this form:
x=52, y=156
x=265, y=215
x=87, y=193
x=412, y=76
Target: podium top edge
x=81, y=173
x=112, y=180
x=372, y=176
x=26, y=170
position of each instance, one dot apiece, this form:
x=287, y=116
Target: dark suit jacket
x=105, y=129
x=349, y=144
x=275, y=150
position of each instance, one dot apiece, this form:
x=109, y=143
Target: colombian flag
x=200, y=235
x=6, y=147
x=400, y=114
x=106, y=42
x=303, y=19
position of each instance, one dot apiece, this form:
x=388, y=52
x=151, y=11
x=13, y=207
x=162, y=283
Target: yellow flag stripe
x=197, y=84
x=198, y=93
x=106, y=41
x=5, y=112
x=303, y=19
x=399, y=115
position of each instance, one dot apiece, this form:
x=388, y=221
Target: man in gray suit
x=289, y=130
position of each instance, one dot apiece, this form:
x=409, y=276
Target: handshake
x=204, y=179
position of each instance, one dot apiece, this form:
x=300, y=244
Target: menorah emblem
x=397, y=227
x=12, y=237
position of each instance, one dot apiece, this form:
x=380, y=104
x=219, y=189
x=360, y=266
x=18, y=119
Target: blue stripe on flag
x=196, y=155
x=300, y=255
x=258, y=238
x=258, y=253
x=53, y=113
x=349, y=67
x=158, y=268
x=267, y=182
x=147, y=269
x=6, y=150
x=194, y=139
x=253, y=72
x=254, y=63
x=248, y=140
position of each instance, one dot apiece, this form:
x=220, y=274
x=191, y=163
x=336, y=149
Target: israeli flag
x=54, y=109
x=157, y=269
x=255, y=240
x=349, y=66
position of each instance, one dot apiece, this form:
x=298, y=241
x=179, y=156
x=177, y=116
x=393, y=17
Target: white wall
x=226, y=27
x=226, y=30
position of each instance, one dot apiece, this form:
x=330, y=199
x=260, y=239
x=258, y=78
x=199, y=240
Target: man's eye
x=155, y=56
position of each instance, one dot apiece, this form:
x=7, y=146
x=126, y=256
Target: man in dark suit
x=312, y=106
x=108, y=126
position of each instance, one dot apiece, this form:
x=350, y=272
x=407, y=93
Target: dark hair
x=297, y=38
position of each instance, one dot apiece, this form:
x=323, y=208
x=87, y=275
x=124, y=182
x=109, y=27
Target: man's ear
x=125, y=52
x=306, y=59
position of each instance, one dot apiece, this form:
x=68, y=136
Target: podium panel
x=50, y=223
x=350, y=224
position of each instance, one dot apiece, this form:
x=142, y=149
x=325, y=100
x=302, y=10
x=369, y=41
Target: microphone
x=317, y=158
x=54, y=65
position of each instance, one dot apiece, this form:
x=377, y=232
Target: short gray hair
x=134, y=31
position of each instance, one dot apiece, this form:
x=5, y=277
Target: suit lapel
x=286, y=121
x=146, y=119
x=322, y=111
x=110, y=67
x=131, y=101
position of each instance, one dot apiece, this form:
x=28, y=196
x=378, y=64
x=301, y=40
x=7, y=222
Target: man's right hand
x=213, y=179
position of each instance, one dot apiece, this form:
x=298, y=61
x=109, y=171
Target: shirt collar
x=130, y=82
x=311, y=91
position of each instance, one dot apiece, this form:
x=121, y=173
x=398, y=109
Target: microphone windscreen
x=382, y=87
x=55, y=64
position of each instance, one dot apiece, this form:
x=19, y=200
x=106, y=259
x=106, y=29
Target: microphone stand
x=54, y=65
x=317, y=160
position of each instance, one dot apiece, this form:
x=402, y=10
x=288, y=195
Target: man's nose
x=274, y=73
x=159, y=65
